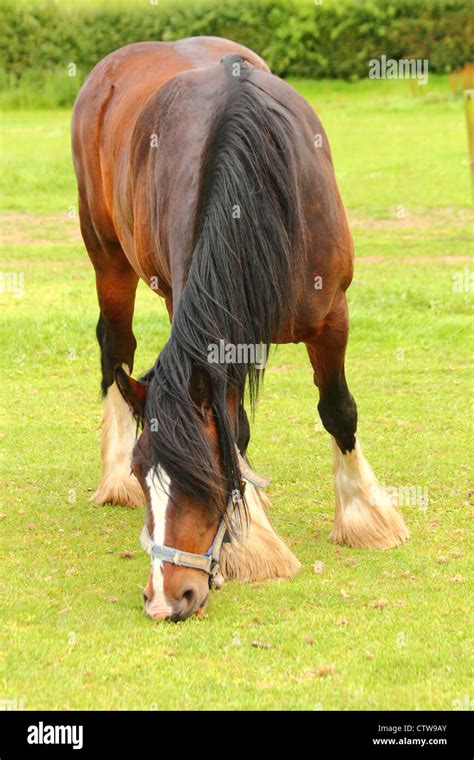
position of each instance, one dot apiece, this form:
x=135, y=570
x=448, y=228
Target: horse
x=210, y=179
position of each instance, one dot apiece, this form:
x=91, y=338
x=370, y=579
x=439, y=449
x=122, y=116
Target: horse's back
x=120, y=84
x=174, y=89
x=106, y=111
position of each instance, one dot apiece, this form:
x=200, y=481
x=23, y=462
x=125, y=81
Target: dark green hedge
x=297, y=37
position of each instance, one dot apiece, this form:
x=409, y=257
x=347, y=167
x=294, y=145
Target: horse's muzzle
x=159, y=608
x=190, y=603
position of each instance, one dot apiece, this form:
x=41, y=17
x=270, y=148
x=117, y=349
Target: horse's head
x=181, y=524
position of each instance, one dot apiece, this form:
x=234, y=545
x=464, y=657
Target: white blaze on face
x=158, y=486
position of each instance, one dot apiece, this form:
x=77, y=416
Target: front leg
x=117, y=344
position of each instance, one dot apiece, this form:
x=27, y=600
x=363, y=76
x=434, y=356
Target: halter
x=209, y=561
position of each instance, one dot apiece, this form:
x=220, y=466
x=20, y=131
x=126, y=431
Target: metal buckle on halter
x=213, y=572
x=249, y=475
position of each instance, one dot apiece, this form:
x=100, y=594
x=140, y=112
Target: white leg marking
x=261, y=554
x=158, y=487
x=117, y=485
x=365, y=515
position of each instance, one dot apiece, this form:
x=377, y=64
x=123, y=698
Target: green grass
x=395, y=625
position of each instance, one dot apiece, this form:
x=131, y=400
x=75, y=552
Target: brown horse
x=211, y=179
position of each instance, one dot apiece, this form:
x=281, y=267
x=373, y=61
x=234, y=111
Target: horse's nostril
x=190, y=597
x=187, y=604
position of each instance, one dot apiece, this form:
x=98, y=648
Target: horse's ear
x=133, y=391
x=200, y=388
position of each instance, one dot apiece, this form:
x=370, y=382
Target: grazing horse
x=211, y=179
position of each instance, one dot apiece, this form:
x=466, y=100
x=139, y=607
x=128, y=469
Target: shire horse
x=210, y=179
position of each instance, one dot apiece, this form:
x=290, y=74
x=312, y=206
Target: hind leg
x=364, y=514
x=116, y=284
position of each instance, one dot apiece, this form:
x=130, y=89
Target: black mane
x=239, y=284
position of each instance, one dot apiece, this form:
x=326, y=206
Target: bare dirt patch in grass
x=63, y=263
x=422, y=218
x=416, y=260
x=39, y=229
x=33, y=229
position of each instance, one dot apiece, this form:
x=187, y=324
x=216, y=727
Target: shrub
x=335, y=39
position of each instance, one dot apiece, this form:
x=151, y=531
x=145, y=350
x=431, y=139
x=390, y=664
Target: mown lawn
x=373, y=630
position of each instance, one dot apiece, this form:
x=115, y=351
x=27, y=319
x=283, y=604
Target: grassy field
x=371, y=630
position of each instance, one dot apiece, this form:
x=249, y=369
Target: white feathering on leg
x=260, y=554
x=118, y=485
x=365, y=515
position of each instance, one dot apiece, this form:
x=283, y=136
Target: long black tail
x=240, y=285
